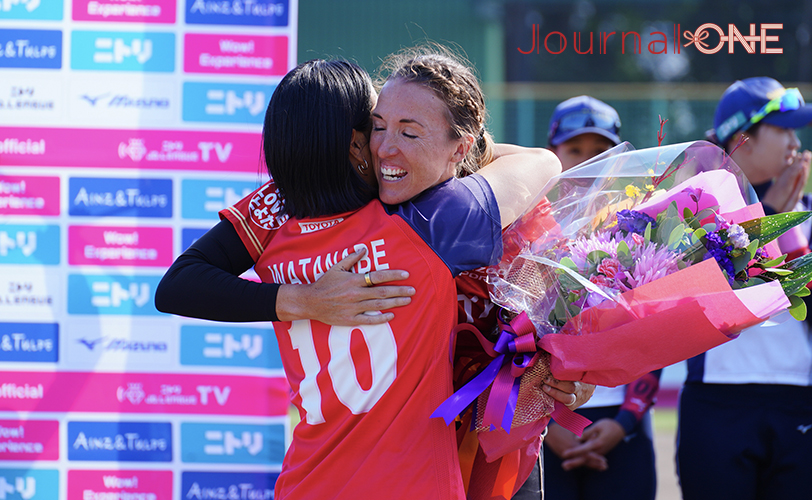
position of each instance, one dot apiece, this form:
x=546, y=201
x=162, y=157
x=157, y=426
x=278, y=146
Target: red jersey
x=365, y=393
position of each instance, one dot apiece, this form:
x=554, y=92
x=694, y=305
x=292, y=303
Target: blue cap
x=583, y=115
x=745, y=98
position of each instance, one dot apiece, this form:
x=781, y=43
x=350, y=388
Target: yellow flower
x=632, y=191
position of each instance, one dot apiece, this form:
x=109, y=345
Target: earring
x=364, y=168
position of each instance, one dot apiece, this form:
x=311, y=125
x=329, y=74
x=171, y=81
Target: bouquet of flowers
x=641, y=259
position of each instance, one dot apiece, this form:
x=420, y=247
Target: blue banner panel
x=250, y=485
x=189, y=235
x=224, y=345
x=37, y=342
x=203, y=198
x=225, y=102
x=40, y=10
x=99, y=197
x=31, y=49
x=120, y=441
x=232, y=443
x=29, y=244
x=112, y=294
x=239, y=12
x=123, y=51
x=29, y=484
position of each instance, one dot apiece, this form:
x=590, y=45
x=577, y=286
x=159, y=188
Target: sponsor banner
x=123, y=51
x=37, y=342
x=29, y=195
x=29, y=244
x=33, y=292
x=224, y=345
x=30, y=49
x=112, y=294
x=31, y=100
x=236, y=54
x=232, y=443
x=127, y=11
x=113, y=343
x=142, y=149
x=120, y=441
x=238, y=12
x=120, y=485
x=40, y=10
x=29, y=440
x=104, y=197
x=137, y=102
x=204, y=198
x=219, y=485
x=189, y=235
x=192, y=394
x=29, y=484
x=120, y=246
x=225, y=102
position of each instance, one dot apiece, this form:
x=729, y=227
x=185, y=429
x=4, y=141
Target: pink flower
x=609, y=267
x=599, y=280
x=638, y=239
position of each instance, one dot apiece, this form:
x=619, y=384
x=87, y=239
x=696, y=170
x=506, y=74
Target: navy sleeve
x=640, y=396
x=459, y=219
x=204, y=282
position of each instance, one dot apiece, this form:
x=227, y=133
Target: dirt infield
x=665, y=427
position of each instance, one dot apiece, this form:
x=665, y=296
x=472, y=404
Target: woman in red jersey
x=364, y=393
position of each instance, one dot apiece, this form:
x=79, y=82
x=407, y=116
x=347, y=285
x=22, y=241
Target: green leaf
x=773, y=262
x=647, y=233
x=701, y=232
x=778, y=271
x=792, y=286
x=751, y=248
x=797, y=308
x=707, y=212
x=687, y=214
x=568, y=263
x=596, y=256
x=771, y=227
x=803, y=292
x=740, y=263
x=675, y=238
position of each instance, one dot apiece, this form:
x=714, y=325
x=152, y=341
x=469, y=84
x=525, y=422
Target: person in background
x=615, y=456
x=745, y=411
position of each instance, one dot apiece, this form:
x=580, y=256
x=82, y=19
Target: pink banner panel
x=120, y=246
x=29, y=440
x=29, y=195
x=130, y=11
x=142, y=149
x=192, y=394
x=236, y=54
x=135, y=484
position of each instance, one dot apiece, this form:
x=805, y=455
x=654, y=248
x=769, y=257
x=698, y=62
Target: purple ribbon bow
x=514, y=351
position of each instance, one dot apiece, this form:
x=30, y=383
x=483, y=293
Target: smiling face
x=411, y=144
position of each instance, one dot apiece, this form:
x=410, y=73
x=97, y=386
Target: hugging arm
x=517, y=175
x=204, y=282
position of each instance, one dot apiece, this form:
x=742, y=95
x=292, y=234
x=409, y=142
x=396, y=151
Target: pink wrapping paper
x=666, y=321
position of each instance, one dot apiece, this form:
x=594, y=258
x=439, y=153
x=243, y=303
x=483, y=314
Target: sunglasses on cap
x=790, y=100
x=586, y=118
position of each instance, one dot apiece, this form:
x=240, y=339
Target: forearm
x=204, y=282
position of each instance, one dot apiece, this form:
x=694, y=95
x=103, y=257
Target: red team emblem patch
x=265, y=207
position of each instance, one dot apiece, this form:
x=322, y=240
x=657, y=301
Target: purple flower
x=694, y=193
x=632, y=221
x=737, y=236
x=720, y=222
x=716, y=249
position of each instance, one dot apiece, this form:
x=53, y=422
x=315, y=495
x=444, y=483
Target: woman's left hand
x=572, y=394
